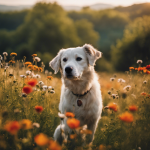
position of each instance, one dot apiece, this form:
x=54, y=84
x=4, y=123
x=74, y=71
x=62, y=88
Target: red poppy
x=143, y=93
x=133, y=108
x=12, y=127
x=27, y=89
x=73, y=123
x=39, y=109
x=148, y=67
x=126, y=117
x=32, y=82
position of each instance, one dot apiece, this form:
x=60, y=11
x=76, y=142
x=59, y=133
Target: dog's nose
x=68, y=69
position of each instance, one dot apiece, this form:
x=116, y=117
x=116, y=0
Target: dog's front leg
x=92, y=127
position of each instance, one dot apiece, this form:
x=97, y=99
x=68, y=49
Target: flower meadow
x=29, y=115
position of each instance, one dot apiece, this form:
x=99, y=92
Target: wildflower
x=143, y=93
x=133, y=108
x=24, y=95
x=148, y=67
x=49, y=77
x=61, y=116
x=112, y=79
x=148, y=72
x=102, y=147
x=131, y=68
x=49, y=87
x=37, y=76
x=113, y=106
x=17, y=111
x=26, y=124
x=109, y=92
x=11, y=61
x=28, y=63
x=13, y=54
x=136, y=68
x=46, y=71
x=28, y=72
x=113, y=96
x=40, y=69
x=139, y=62
x=37, y=59
x=41, y=139
x=36, y=125
x=52, y=91
x=32, y=82
x=34, y=67
x=127, y=88
x=12, y=127
x=30, y=66
x=38, y=109
x=22, y=76
x=144, y=82
x=5, y=53
x=140, y=68
x=121, y=80
x=53, y=145
x=126, y=117
x=69, y=114
x=73, y=123
x=44, y=87
x=27, y=89
x=34, y=55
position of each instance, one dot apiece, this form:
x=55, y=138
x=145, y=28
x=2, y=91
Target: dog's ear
x=56, y=62
x=92, y=54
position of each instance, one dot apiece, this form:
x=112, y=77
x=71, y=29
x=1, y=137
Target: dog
x=80, y=92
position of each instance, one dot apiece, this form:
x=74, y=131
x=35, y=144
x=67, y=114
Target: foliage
x=133, y=46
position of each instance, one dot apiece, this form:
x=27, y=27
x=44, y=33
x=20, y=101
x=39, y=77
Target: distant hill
x=5, y=8
x=98, y=6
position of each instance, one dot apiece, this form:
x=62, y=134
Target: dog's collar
x=78, y=95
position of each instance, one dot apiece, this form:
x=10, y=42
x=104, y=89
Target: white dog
x=80, y=91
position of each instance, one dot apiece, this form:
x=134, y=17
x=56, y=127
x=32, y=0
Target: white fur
x=83, y=79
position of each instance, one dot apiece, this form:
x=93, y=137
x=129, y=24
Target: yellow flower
x=131, y=68
x=13, y=54
x=11, y=61
x=49, y=77
x=34, y=55
x=26, y=124
x=28, y=63
x=41, y=139
x=40, y=69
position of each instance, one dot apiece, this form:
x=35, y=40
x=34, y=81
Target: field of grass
x=117, y=130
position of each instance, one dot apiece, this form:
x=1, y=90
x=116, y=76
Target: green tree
x=133, y=46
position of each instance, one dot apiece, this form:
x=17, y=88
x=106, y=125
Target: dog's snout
x=68, y=69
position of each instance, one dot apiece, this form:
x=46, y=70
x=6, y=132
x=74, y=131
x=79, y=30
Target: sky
x=74, y=2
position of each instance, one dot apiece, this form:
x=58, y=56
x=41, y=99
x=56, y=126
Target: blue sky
x=74, y=2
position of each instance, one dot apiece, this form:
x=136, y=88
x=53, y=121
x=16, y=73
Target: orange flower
x=27, y=89
x=12, y=127
x=26, y=124
x=11, y=61
x=41, y=139
x=35, y=67
x=28, y=63
x=13, y=54
x=54, y=145
x=49, y=77
x=73, y=123
x=69, y=114
x=140, y=69
x=148, y=67
x=136, y=68
x=39, y=109
x=40, y=69
x=102, y=147
x=113, y=106
x=131, y=68
x=144, y=70
x=148, y=72
x=143, y=93
x=126, y=117
x=133, y=108
x=34, y=55
x=32, y=82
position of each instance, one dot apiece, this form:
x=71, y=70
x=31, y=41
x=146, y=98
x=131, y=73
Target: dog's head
x=74, y=61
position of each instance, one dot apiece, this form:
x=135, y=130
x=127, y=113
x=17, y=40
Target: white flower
x=112, y=79
x=49, y=87
x=1, y=58
x=121, y=80
x=5, y=53
x=144, y=82
x=52, y=91
x=41, y=83
x=28, y=72
x=127, y=88
x=22, y=76
x=37, y=59
x=37, y=76
x=44, y=87
x=36, y=125
x=114, y=96
x=139, y=62
x=50, y=73
x=61, y=116
x=46, y=71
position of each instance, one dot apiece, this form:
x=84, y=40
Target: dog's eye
x=65, y=59
x=78, y=59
